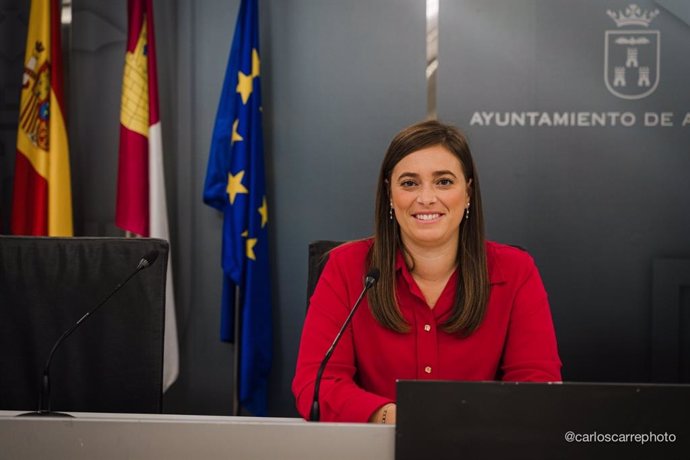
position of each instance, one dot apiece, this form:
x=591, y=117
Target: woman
x=448, y=305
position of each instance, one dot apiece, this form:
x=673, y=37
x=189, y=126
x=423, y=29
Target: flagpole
x=236, y=359
x=432, y=9
x=66, y=37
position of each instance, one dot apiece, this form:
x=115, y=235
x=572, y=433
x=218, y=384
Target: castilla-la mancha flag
x=42, y=198
x=141, y=205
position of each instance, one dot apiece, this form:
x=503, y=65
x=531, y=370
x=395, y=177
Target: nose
x=427, y=195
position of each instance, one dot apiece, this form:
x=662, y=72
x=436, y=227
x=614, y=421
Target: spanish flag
x=42, y=199
x=141, y=207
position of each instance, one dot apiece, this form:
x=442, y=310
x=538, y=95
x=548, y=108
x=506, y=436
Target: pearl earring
x=467, y=211
x=390, y=212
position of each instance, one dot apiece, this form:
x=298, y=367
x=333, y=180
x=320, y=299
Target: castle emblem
x=632, y=53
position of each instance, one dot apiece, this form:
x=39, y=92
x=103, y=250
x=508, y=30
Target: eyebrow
x=435, y=174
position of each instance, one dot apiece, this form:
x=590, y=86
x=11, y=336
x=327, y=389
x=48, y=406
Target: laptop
x=494, y=420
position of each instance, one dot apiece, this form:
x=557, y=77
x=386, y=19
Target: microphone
x=44, y=395
x=147, y=260
x=369, y=282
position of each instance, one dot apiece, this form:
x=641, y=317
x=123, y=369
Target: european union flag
x=236, y=185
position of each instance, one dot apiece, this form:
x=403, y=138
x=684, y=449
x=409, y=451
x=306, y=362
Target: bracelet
x=383, y=416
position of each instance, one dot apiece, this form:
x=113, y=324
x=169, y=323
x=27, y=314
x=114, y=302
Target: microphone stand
x=44, y=395
x=369, y=281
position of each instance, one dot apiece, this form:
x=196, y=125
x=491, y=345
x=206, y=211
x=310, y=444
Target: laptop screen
x=476, y=420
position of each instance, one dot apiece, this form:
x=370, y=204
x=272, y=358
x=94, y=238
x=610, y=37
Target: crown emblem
x=633, y=16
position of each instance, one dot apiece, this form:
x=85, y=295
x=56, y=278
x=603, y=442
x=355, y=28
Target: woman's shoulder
x=352, y=250
x=506, y=250
x=348, y=260
x=507, y=258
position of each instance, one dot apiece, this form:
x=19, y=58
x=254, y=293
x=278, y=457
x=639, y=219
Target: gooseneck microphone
x=44, y=395
x=369, y=281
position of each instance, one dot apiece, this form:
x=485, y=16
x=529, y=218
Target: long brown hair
x=472, y=294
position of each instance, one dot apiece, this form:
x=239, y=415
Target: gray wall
x=13, y=17
x=339, y=78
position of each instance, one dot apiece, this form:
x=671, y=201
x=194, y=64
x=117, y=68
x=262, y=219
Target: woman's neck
x=432, y=264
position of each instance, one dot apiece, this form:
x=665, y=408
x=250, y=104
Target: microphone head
x=372, y=277
x=148, y=259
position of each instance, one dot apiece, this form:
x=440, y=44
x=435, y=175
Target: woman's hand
x=385, y=415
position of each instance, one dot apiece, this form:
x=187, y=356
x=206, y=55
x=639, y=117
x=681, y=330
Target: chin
x=428, y=240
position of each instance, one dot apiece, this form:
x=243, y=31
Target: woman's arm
x=341, y=398
x=530, y=352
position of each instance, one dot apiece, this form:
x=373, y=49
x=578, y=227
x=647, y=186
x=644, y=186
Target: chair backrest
x=114, y=361
x=318, y=256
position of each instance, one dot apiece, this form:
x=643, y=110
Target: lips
x=427, y=216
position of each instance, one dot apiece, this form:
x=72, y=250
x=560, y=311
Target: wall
x=13, y=18
x=595, y=204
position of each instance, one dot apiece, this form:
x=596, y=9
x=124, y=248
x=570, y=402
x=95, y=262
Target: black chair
x=114, y=361
x=318, y=256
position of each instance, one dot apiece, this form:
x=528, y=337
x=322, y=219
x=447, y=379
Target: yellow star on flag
x=263, y=210
x=235, y=186
x=251, y=242
x=235, y=135
x=244, y=86
x=255, y=63
x=245, y=83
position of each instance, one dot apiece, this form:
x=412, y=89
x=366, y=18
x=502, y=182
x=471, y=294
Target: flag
x=141, y=204
x=236, y=186
x=42, y=198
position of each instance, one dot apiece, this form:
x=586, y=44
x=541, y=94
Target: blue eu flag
x=236, y=186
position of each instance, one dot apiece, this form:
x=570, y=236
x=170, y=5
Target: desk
x=158, y=436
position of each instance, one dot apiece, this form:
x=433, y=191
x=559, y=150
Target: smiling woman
x=448, y=304
x=429, y=196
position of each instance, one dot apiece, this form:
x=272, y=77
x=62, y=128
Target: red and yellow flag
x=141, y=204
x=42, y=198
x=138, y=116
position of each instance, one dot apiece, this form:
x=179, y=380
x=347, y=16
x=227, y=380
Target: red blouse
x=515, y=341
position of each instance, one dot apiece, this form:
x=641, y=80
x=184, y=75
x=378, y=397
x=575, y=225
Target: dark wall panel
x=594, y=204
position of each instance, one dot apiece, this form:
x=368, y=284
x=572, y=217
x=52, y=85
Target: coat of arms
x=35, y=101
x=631, y=56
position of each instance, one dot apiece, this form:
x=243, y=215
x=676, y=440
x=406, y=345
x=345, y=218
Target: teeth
x=427, y=216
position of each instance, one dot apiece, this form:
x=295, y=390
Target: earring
x=467, y=211
x=390, y=212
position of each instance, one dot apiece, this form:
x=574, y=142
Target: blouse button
x=427, y=369
x=427, y=327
